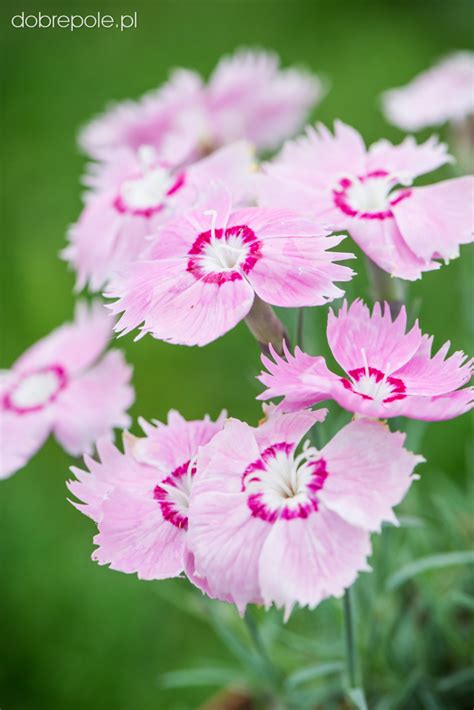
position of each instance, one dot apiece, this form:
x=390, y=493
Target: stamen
x=190, y=471
x=364, y=360
x=146, y=156
x=213, y=215
x=177, y=494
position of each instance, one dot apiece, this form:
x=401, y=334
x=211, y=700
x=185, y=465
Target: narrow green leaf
x=463, y=677
x=358, y=698
x=192, y=677
x=312, y=672
x=411, y=521
x=462, y=599
x=425, y=564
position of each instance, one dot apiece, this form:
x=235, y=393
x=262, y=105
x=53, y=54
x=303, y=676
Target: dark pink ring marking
x=62, y=378
x=122, y=207
x=341, y=198
x=255, y=502
x=168, y=507
x=248, y=237
x=397, y=385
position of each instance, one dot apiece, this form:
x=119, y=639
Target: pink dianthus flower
x=272, y=521
x=369, y=193
x=247, y=96
x=65, y=386
x=207, y=267
x=139, y=498
x=133, y=194
x=388, y=372
x=445, y=92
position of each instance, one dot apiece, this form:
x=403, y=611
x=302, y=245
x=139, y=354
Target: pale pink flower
x=369, y=193
x=152, y=120
x=388, y=372
x=64, y=385
x=202, y=274
x=273, y=523
x=139, y=498
x=133, y=194
x=247, y=96
x=445, y=92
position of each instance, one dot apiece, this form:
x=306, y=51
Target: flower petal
x=93, y=404
x=408, y=159
x=226, y=542
x=303, y=561
x=73, y=345
x=433, y=409
x=170, y=445
x=135, y=538
x=369, y=472
x=289, y=428
x=303, y=380
x=21, y=435
x=299, y=271
x=430, y=375
x=436, y=219
x=112, y=469
x=354, y=331
x=383, y=242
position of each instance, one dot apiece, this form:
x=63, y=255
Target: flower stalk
x=272, y=673
x=266, y=327
x=350, y=639
x=385, y=287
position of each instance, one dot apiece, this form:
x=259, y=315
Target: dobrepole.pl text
x=44, y=21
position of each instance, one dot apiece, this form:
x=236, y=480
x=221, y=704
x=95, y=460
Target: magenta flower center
x=148, y=192
x=173, y=494
x=221, y=255
x=371, y=383
x=370, y=196
x=35, y=390
x=282, y=485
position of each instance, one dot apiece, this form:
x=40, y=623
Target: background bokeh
x=77, y=635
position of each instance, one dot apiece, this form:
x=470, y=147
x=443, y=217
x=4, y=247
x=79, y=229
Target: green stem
x=350, y=640
x=271, y=671
x=385, y=287
x=300, y=328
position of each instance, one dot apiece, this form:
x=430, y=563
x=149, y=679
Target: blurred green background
x=76, y=635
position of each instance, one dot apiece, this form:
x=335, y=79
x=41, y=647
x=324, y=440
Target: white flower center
x=281, y=484
x=148, y=190
x=36, y=390
x=223, y=254
x=373, y=383
x=173, y=494
x=370, y=194
x=179, y=492
x=286, y=476
x=373, y=387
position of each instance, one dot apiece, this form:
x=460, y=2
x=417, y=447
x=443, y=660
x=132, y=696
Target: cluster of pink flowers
x=232, y=505
x=189, y=235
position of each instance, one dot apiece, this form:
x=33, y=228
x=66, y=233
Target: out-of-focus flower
x=65, y=386
x=135, y=193
x=388, y=372
x=139, y=498
x=206, y=267
x=152, y=120
x=271, y=523
x=247, y=96
x=445, y=92
x=403, y=229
